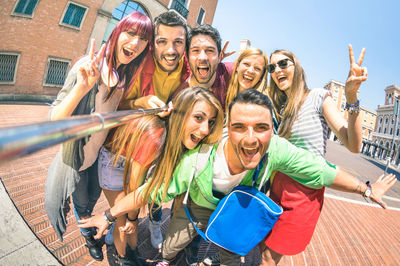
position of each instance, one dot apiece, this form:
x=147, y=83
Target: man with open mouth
x=205, y=56
x=166, y=68
x=232, y=162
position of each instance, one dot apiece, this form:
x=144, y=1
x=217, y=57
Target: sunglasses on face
x=283, y=64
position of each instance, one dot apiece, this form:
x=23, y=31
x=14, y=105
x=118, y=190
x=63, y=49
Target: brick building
x=41, y=38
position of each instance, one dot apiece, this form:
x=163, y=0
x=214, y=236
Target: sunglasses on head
x=283, y=64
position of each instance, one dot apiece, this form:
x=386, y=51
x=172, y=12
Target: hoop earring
x=114, y=78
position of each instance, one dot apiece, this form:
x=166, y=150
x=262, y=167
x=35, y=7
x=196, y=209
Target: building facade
x=368, y=117
x=385, y=138
x=42, y=38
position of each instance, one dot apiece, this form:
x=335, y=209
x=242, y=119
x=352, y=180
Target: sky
x=318, y=33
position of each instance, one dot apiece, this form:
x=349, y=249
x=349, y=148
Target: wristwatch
x=368, y=191
x=108, y=217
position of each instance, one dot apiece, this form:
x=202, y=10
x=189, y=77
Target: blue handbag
x=242, y=218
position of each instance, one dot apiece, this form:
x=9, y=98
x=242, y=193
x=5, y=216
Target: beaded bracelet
x=353, y=108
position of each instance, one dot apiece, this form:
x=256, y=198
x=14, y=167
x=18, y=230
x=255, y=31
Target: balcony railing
x=180, y=8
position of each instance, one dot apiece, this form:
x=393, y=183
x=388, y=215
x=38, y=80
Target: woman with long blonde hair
x=197, y=117
x=306, y=115
x=249, y=72
x=183, y=134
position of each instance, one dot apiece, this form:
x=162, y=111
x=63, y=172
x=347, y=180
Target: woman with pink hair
x=98, y=82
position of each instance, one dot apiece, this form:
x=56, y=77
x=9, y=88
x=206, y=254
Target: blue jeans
x=85, y=196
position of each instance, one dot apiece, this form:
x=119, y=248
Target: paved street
x=349, y=232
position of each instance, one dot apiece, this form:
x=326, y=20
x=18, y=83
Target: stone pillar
x=368, y=149
x=396, y=162
x=362, y=147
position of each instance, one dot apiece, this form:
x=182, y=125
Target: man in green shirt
x=232, y=162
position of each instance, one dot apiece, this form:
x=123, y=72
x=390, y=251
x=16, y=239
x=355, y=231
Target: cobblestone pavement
x=349, y=232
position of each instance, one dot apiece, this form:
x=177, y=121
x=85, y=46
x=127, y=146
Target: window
x=122, y=10
x=25, y=7
x=181, y=7
x=200, y=17
x=73, y=15
x=8, y=66
x=125, y=8
x=56, y=71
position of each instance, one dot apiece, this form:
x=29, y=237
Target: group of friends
x=230, y=110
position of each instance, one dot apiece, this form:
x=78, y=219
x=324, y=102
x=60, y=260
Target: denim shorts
x=110, y=178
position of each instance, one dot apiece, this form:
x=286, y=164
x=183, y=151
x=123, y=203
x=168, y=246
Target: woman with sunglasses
x=305, y=116
x=96, y=83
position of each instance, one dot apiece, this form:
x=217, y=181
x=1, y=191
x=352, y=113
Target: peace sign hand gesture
x=89, y=74
x=357, y=75
x=225, y=54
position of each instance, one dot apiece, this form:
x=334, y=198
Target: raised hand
x=357, y=75
x=380, y=187
x=224, y=54
x=89, y=74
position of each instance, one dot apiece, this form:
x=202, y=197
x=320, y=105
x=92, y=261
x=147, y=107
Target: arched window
x=123, y=9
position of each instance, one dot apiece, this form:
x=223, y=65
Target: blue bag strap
x=201, y=233
x=186, y=207
x=258, y=168
x=192, y=174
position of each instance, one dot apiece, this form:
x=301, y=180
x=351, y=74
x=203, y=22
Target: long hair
x=132, y=138
x=143, y=27
x=174, y=148
x=288, y=103
x=234, y=86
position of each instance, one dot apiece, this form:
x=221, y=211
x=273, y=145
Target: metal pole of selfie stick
x=19, y=141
